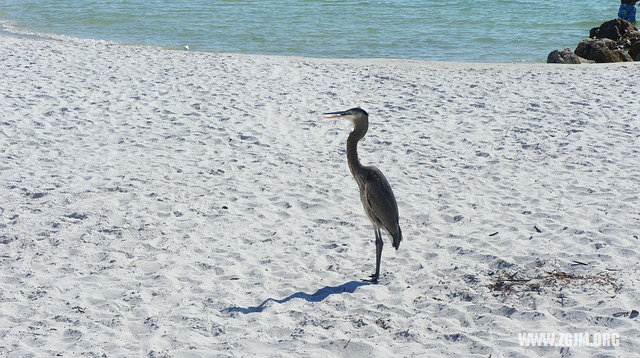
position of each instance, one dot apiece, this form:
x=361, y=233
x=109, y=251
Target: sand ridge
x=162, y=202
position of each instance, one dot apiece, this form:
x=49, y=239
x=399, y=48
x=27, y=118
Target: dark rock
x=612, y=29
x=601, y=51
x=634, y=51
x=627, y=40
x=625, y=56
x=565, y=56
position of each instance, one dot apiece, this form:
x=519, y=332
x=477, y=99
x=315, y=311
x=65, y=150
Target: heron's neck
x=352, y=150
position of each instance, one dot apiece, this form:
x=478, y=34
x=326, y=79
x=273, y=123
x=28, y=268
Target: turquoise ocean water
x=443, y=30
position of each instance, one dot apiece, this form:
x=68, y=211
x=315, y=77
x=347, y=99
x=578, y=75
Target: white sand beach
x=174, y=203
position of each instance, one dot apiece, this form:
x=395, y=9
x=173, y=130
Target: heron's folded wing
x=381, y=201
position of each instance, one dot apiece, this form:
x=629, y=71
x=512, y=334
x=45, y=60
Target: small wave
x=486, y=39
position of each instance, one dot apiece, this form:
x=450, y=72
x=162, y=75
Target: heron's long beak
x=333, y=114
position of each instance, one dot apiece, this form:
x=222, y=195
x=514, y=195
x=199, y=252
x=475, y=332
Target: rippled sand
x=174, y=203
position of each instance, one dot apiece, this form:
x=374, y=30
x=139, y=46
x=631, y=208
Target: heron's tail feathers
x=397, y=237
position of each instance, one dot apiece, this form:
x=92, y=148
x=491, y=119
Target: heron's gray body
x=375, y=192
x=380, y=204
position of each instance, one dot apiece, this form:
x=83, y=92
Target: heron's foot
x=373, y=279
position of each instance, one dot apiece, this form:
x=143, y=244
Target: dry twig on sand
x=506, y=284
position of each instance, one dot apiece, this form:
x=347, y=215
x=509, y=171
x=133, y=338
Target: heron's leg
x=379, y=244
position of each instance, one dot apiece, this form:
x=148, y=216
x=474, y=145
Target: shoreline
x=8, y=30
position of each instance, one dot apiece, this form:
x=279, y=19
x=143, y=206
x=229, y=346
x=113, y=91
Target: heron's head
x=357, y=115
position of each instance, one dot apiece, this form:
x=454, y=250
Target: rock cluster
x=566, y=56
x=614, y=41
x=612, y=29
x=601, y=51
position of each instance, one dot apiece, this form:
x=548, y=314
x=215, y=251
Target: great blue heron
x=375, y=192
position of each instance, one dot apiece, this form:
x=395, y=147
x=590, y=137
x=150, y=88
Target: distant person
x=627, y=10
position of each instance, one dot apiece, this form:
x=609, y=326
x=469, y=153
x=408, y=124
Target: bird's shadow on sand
x=318, y=296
